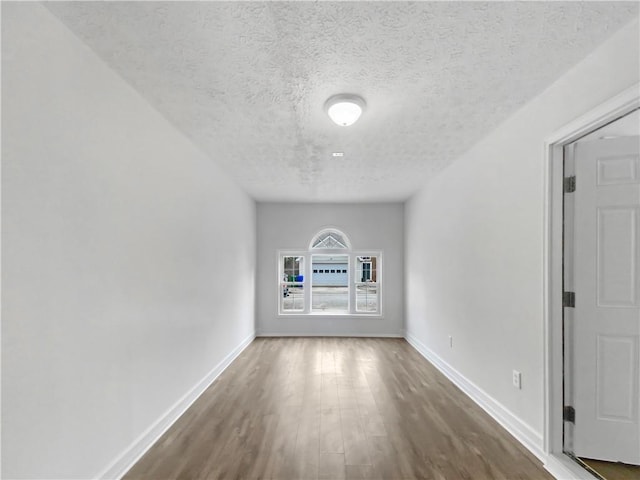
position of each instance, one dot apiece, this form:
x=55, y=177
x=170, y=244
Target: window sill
x=330, y=315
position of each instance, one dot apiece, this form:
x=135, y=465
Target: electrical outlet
x=517, y=379
x=450, y=341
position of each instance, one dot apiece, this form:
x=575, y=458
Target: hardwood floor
x=335, y=408
x=613, y=471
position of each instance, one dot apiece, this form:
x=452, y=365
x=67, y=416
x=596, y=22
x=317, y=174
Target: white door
x=606, y=324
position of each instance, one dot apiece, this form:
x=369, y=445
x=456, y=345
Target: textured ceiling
x=246, y=81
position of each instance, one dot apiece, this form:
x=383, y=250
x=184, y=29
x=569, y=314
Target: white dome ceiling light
x=345, y=109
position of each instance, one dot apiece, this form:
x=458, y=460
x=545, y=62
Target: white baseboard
x=526, y=435
x=564, y=468
x=326, y=334
x=121, y=465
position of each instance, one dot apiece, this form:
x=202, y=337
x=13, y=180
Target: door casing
x=627, y=101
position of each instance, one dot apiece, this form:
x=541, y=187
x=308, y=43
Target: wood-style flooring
x=335, y=408
x=613, y=471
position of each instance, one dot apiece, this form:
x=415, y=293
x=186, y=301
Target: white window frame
x=357, y=282
x=307, y=255
x=337, y=253
x=285, y=284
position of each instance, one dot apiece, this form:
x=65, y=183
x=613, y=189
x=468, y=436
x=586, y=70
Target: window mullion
x=308, y=283
x=351, y=281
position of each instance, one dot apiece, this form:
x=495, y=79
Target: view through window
x=331, y=278
x=330, y=283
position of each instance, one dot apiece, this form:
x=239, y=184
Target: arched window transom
x=330, y=239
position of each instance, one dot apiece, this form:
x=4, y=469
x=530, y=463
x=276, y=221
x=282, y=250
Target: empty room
x=320, y=240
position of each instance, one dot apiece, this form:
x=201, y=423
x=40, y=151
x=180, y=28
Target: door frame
x=557, y=462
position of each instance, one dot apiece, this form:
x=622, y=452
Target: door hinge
x=569, y=299
x=569, y=414
x=570, y=184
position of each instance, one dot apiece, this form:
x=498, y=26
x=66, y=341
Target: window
x=342, y=281
x=292, y=284
x=366, y=284
x=330, y=290
x=330, y=239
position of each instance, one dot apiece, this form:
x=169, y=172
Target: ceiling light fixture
x=345, y=109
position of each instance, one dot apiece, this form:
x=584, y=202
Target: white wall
x=128, y=257
x=474, y=240
x=292, y=226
